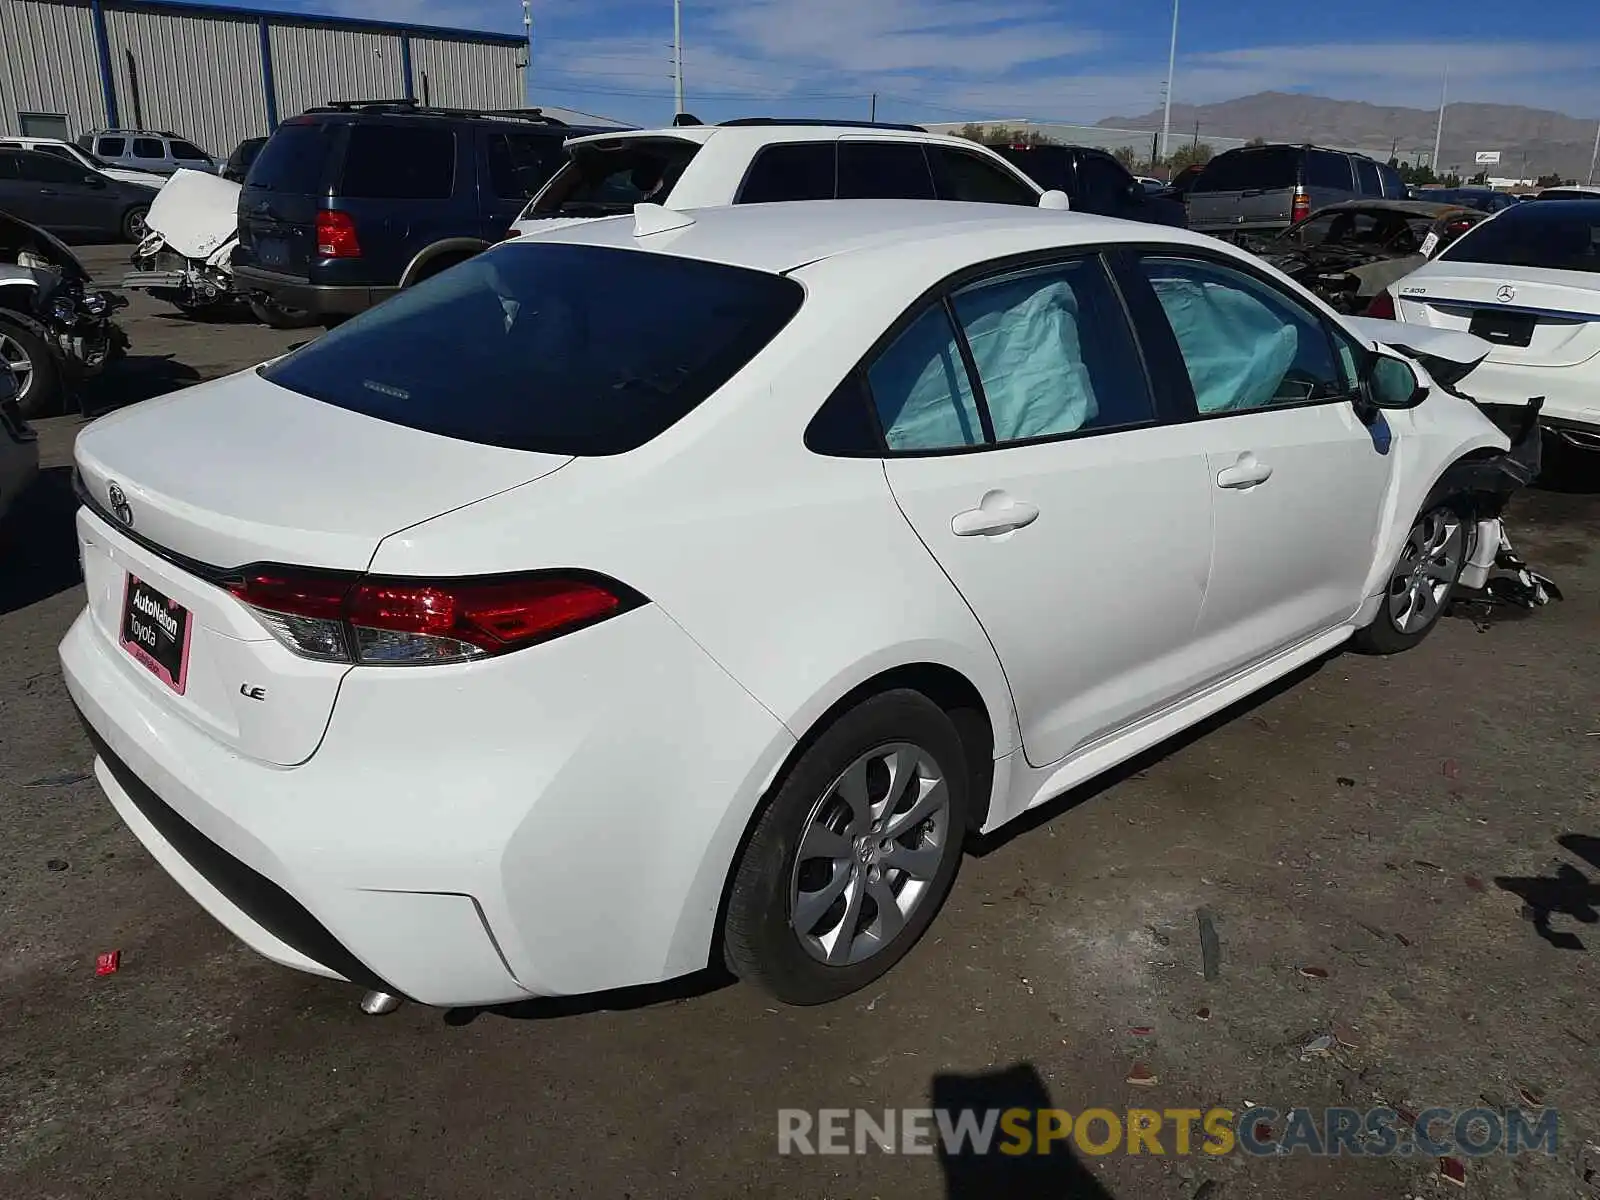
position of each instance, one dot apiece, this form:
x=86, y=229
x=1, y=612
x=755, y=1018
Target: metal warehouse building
x=218, y=75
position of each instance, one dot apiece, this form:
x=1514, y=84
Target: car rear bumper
x=319, y=299
x=465, y=835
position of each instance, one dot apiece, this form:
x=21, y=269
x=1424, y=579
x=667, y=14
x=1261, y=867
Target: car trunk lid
x=170, y=517
x=1533, y=318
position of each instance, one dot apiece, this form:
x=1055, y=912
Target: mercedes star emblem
x=1507, y=293
x=120, y=508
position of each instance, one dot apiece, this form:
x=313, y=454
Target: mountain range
x=1551, y=141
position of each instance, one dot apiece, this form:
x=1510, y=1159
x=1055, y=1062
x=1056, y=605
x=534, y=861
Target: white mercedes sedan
x=685, y=588
x=1527, y=282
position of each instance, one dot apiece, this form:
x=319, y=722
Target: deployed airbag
x=1237, y=350
x=1026, y=348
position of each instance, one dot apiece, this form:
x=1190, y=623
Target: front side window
x=791, y=171
x=149, y=148
x=398, y=162
x=1367, y=173
x=188, y=152
x=963, y=175
x=113, y=147
x=1053, y=352
x=535, y=346
x=921, y=390
x=884, y=171
x=1246, y=345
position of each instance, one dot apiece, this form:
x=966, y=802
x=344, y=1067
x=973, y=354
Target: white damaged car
x=687, y=587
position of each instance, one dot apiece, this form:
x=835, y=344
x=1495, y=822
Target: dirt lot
x=1384, y=821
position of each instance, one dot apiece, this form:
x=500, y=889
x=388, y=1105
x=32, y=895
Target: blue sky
x=1082, y=60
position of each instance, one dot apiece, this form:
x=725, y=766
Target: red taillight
x=376, y=621
x=336, y=236
x=1382, y=306
x=1301, y=209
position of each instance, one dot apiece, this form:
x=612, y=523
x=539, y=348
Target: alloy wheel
x=16, y=357
x=1429, y=564
x=870, y=849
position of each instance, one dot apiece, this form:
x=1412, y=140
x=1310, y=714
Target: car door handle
x=48, y=192
x=996, y=513
x=1246, y=473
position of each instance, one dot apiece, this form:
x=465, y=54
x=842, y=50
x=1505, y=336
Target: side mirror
x=1056, y=200
x=94, y=179
x=1387, y=383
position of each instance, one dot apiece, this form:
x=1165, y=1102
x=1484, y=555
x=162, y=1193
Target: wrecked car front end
x=56, y=328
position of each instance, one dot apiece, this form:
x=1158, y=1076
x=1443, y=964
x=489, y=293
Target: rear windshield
x=609, y=177
x=1553, y=237
x=295, y=159
x=1266, y=168
x=548, y=347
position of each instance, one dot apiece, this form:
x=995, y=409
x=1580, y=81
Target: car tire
x=133, y=226
x=276, y=316
x=43, y=388
x=837, y=881
x=1421, y=582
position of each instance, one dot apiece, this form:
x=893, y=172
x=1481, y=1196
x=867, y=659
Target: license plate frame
x=160, y=646
x=1503, y=328
x=272, y=252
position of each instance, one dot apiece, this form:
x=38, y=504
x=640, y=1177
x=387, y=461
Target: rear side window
x=1553, y=237
x=1367, y=173
x=1324, y=169
x=520, y=163
x=884, y=171
x=791, y=171
x=189, y=152
x=295, y=159
x=1393, y=186
x=528, y=347
x=113, y=147
x=921, y=390
x=43, y=168
x=962, y=175
x=149, y=148
x=399, y=162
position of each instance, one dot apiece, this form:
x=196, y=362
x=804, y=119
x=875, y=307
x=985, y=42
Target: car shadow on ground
x=974, y=1174
x=134, y=378
x=687, y=987
x=1568, y=892
x=40, y=549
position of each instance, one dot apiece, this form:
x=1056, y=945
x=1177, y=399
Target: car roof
x=782, y=236
x=758, y=135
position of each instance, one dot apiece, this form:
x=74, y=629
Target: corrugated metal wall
x=313, y=66
x=466, y=74
x=48, y=63
x=199, y=76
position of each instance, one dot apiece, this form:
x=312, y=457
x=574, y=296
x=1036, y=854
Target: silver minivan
x=1265, y=188
x=162, y=152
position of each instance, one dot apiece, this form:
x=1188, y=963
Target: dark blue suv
x=347, y=204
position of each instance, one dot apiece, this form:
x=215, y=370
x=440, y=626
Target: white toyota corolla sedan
x=685, y=588
x=1528, y=282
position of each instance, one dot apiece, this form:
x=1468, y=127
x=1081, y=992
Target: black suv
x=349, y=203
x=1095, y=182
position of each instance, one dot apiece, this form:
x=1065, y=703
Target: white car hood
x=195, y=212
x=1464, y=349
x=128, y=175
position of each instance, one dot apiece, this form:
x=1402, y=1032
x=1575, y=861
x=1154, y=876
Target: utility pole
x=872, y=112
x=677, y=51
x=527, y=33
x=1438, y=135
x=1394, y=150
x=1172, y=64
x=1195, y=145
x=1595, y=157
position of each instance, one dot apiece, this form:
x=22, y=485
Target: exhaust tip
x=377, y=1004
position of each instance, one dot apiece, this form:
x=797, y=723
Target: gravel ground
x=1395, y=825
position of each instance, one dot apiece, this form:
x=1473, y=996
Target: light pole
x=1595, y=157
x=1172, y=63
x=1438, y=135
x=527, y=33
x=677, y=51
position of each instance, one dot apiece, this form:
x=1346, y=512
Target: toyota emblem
x=1507, y=293
x=120, y=508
